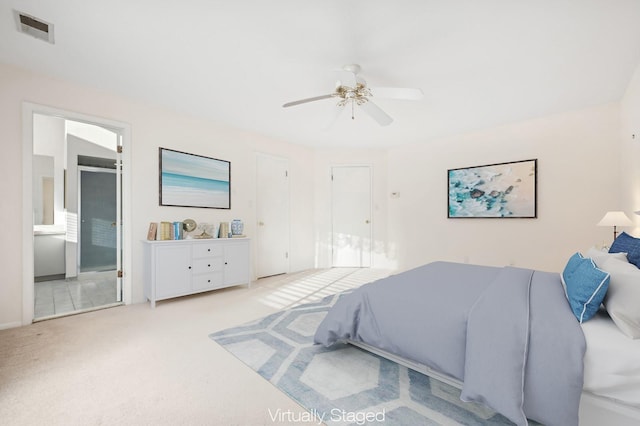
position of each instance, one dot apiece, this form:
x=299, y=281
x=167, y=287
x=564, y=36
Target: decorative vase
x=237, y=227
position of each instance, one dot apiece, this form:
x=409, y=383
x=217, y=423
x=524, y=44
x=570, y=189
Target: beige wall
x=578, y=175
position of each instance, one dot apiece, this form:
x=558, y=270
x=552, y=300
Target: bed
x=506, y=336
x=612, y=362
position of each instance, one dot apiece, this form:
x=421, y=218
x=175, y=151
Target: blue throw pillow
x=586, y=286
x=625, y=243
x=572, y=265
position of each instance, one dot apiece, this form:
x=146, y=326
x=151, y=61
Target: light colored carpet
x=133, y=365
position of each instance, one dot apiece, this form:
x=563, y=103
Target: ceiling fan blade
x=304, y=101
x=376, y=113
x=397, y=93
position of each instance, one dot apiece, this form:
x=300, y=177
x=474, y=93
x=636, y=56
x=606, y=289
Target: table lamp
x=615, y=219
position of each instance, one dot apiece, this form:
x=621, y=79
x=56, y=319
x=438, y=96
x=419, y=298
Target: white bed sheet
x=612, y=361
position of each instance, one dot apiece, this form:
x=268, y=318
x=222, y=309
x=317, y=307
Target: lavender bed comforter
x=507, y=333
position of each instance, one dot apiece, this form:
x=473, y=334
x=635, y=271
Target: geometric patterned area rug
x=343, y=384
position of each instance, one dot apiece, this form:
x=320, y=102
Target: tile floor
x=65, y=296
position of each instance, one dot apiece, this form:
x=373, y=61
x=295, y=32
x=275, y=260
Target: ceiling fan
x=351, y=89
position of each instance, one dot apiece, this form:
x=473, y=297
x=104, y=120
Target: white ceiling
x=480, y=63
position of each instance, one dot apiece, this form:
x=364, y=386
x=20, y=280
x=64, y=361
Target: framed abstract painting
x=503, y=190
x=189, y=180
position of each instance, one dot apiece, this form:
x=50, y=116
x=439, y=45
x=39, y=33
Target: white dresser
x=182, y=267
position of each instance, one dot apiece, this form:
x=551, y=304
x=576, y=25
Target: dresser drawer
x=207, y=281
x=201, y=266
x=207, y=250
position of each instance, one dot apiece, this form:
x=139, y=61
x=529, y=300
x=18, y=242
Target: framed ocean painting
x=503, y=190
x=190, y=180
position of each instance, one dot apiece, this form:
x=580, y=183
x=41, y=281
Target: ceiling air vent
x=33, y=26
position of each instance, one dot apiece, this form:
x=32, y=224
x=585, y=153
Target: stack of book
x=165, y=231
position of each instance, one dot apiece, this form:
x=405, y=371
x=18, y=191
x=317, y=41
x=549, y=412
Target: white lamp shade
x=615, y=219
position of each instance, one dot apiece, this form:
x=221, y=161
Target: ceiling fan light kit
x=352, y=89
x=358, y=94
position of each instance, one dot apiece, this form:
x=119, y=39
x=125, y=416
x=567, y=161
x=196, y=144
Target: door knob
x=366, y=221
x=260, y=223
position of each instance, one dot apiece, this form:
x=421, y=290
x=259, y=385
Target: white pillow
x=599, y=256
x=623, y=297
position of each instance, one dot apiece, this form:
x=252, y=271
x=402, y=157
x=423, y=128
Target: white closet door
x=272, y=213
x=351, y=216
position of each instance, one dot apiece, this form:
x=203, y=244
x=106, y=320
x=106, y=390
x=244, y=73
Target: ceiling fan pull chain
x=352, y=110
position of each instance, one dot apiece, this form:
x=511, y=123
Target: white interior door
x=351, y=216
x=272, y=213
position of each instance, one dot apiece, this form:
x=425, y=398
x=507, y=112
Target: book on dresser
x=177, y=231
x=165, y=231
x=153, y=231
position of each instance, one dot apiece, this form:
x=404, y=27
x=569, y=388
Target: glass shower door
x=98, y=220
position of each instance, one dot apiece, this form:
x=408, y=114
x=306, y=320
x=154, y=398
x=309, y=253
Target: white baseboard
x=10, y=325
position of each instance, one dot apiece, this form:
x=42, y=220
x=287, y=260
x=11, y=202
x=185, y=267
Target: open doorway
x=76, y=194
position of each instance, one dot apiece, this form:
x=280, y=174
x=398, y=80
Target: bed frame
x=595, y=410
